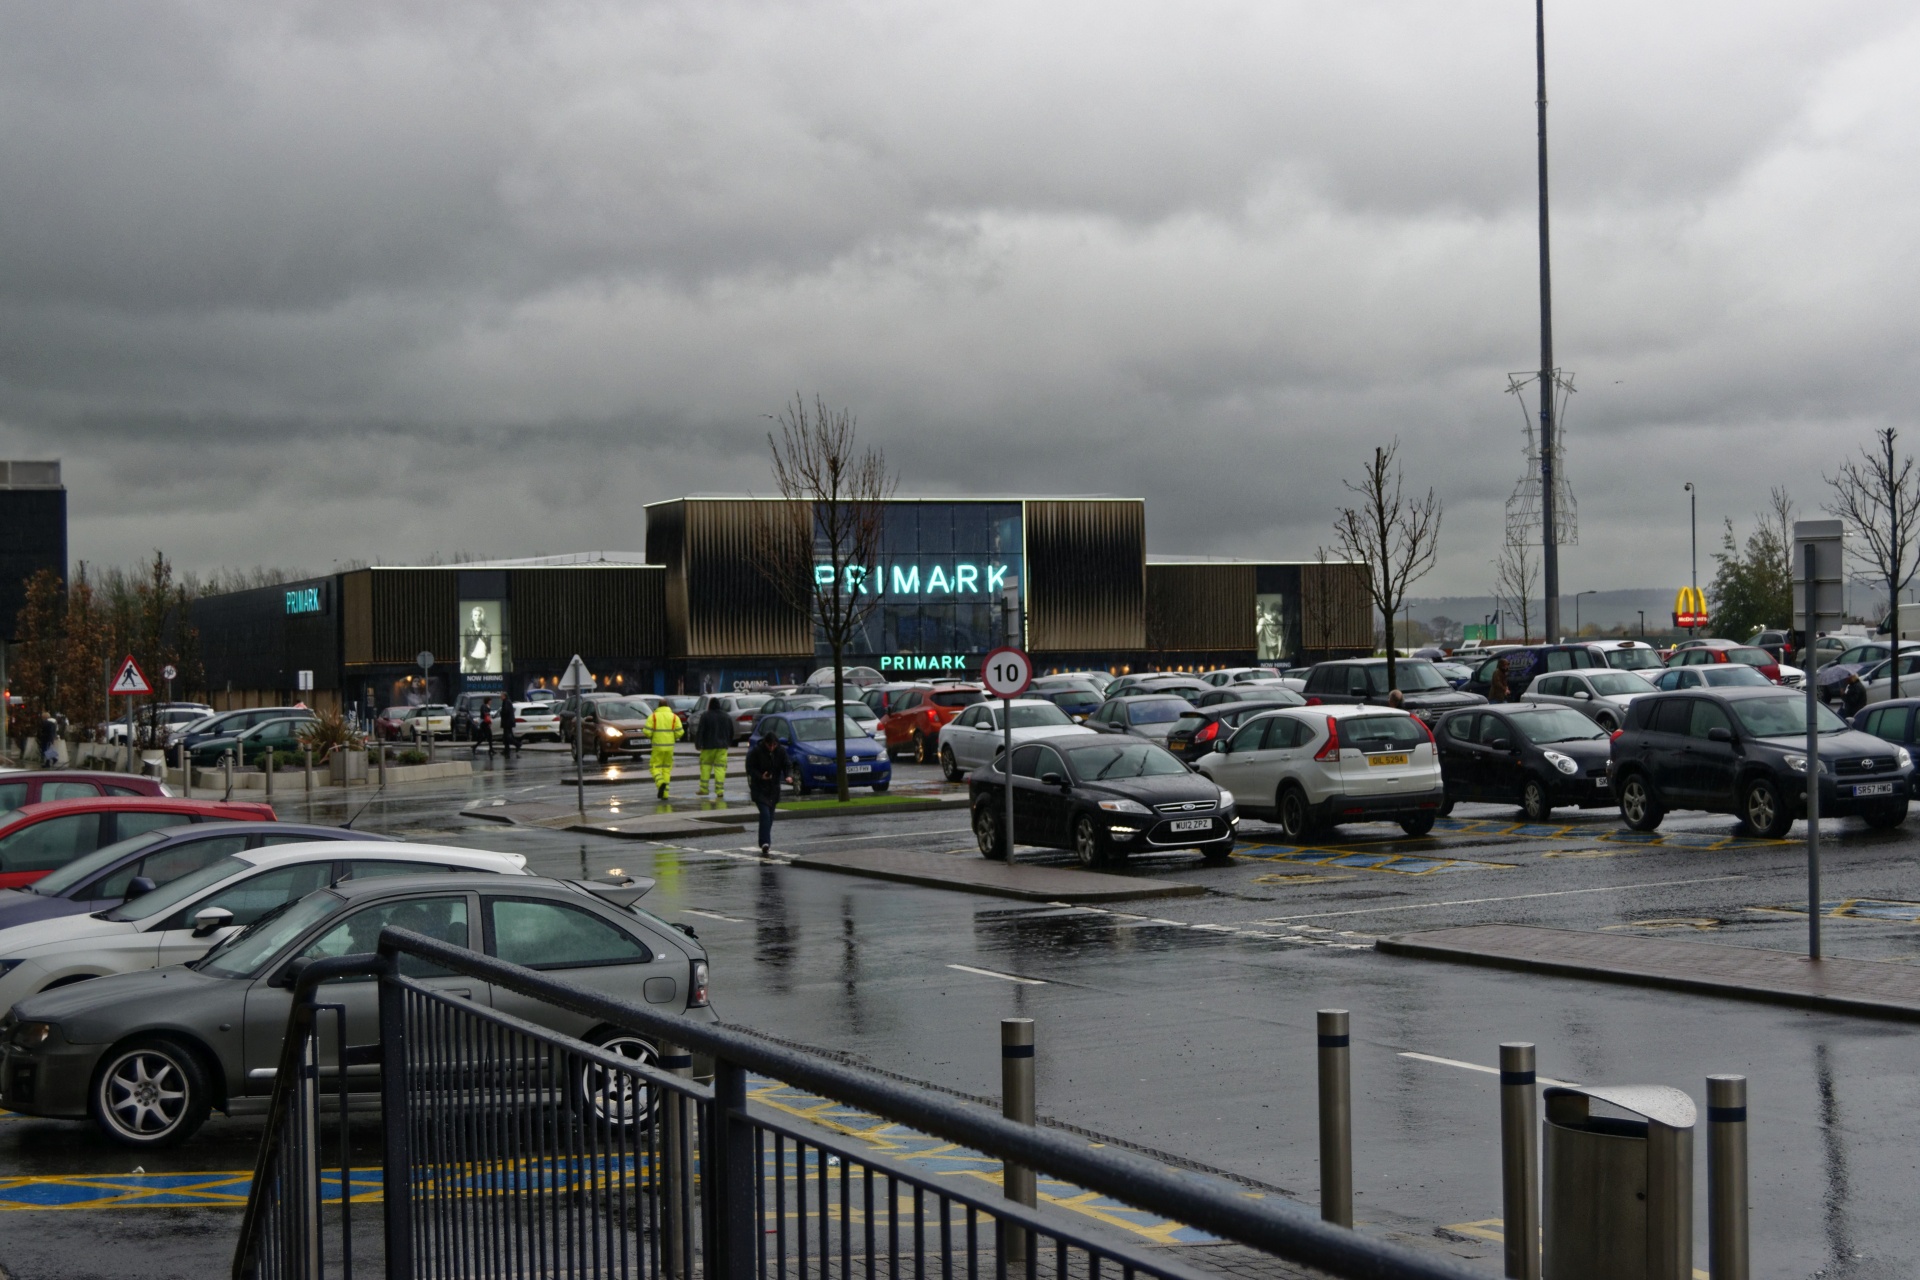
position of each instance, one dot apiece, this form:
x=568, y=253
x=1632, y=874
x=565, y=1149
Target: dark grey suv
x=1744, y=752
x=1425, y=691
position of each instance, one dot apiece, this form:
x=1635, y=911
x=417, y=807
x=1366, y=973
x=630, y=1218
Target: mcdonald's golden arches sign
x=1690, y=608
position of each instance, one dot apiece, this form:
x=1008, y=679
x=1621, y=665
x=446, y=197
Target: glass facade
x=950, y=577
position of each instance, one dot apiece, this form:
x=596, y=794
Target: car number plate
x=1600, y=784
x=1192, y=824
x=1386, y=760
x=859, y=768
x=1874, y=789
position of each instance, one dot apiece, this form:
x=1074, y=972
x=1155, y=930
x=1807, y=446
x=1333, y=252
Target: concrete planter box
x=209, y=783
x=346, y=767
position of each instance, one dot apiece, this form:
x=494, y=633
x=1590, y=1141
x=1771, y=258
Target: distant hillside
x=1606, y=609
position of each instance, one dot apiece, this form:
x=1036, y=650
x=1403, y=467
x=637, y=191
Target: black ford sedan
x=1103, y=798
x=1538, y=756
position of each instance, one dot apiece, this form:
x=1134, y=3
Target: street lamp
x=1576, y=609
x=1693, y=520
x=1643, y=624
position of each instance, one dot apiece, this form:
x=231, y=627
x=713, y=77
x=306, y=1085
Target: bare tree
x=1399, y=537
x=1516, y=576
x=819, y=548
x=1878, y=498
x=1317, y=605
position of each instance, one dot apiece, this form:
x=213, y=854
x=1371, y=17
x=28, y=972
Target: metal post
x=186, y=772
x=1550, y=533
x=396, y=1173
x=266, y=765
x=1336, y=1118
x=380, y=751
x=1520, y=1161
x=1727, y=1177
x=733, y=1247
x=579, y=762
x=226, y=766
x=309, y=754
x=1016, y=1104
x=131, y=749
x=1006, y=767
x=1813, y=763
x=676, y=1182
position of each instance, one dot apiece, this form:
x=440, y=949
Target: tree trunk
x=840, y=724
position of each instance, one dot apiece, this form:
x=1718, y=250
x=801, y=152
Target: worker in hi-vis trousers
x=663, y=730
x=713, y=734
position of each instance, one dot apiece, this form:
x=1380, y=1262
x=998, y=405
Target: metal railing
x=511, y=1150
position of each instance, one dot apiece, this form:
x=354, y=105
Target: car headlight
x=1564, y=763
x=1900, y=757
x=31, y=1035
x=610, y=731
x=1226, y=798
x=1124, y=806
x=1797, y=763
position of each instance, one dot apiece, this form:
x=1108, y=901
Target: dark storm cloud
x=297, y=282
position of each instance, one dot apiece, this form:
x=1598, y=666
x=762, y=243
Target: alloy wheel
x=615, y=1096
x=1086, y=843
x=1293, y=814
x=1533, y=801
x=986, y=832
x=144, y=1094
x=922, y=753
x=1762, y=811
x=950, y=766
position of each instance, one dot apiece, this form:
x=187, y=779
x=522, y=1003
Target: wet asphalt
x=1186, y=1025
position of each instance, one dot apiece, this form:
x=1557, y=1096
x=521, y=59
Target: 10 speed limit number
x=1007, y=672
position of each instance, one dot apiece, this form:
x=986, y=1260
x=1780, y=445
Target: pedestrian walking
x=1497, y=690
x=713, y=734
x=664, y=728
x=45, y=737
x=1854, y=696
x=483, y=730
x=767, y=766
x=506, y=726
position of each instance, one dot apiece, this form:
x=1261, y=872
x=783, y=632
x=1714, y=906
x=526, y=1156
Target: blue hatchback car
x=808, y=738
x=109, y=876
x=1892, y=721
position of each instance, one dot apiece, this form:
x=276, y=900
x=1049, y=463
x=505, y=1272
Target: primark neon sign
x=964, y=578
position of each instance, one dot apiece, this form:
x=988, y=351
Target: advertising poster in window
x=1270, y=627
x=483, y=637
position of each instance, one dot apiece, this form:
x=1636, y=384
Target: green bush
x=411, y=756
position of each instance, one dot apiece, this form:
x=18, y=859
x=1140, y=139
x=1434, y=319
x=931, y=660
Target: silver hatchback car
x=149, y=1055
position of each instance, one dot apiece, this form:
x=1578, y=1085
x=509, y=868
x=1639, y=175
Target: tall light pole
x=1550, y=557
x=1693, y=522
x=1576, y=610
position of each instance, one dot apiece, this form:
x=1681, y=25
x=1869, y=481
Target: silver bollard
x=226, y=766
x=1727, y=1177
x=380, y=750
x=1016, y=1104
x=677, y=1211
x=266, y=767
x=309, y=754
x=186, y=773
x=1336, y=1118
x=1520, y=1161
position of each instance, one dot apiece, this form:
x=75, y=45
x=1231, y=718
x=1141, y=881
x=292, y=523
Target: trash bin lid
x=1659, y=1103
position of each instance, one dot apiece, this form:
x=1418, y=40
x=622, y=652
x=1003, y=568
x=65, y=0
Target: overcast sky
x=297, y=283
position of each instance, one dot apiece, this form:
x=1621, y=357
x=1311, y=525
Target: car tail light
x=1429, y=728
x=1314, y=701
x=1616, y=733
x=1331, y=751
x=697, y=985
x=1209, y=733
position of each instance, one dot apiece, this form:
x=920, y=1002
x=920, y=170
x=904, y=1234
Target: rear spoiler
x=624, y=893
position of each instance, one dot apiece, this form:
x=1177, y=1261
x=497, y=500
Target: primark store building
x=1069, y=579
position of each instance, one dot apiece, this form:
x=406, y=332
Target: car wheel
x=151, y=1093
x=986, y=833
x=1883, y=817
x=1087, y=846
x=1446, y=806
x=1219, y=855
x=950, y=766
x=601, y=752
x=1607, y=722
x=613, y=1097
x=1638, y=809
x=1535, y=804
x=880, y=788
x=922, y=749
x=1763, y=811
x=1418, y=825
x=1294, y=814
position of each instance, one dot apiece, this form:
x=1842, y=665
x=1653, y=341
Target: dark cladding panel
x=1200, y=607
x=1336, y=611
x=732, y=610
x=259, y=640
x=667, y=548
x=356, y=617
x=607, y=612
x=415, y=609
x=33, y=536
x=1086, y=585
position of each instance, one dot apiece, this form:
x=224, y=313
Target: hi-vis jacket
x=664, y=728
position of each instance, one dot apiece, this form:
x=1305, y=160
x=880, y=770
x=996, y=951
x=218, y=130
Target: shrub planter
x=344, y=767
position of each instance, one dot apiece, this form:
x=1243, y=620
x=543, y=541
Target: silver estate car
x=148, y=1055
x=1600, y=696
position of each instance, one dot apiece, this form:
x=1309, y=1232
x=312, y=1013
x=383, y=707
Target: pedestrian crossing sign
x=130, y=680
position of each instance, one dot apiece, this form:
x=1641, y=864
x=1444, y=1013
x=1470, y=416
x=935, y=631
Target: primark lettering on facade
x=959, y=579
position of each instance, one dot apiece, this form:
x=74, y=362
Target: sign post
x=1819, y=577
x=577, y=680
x=131, y=684
x=1007, y=672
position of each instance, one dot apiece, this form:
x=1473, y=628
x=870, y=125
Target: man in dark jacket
x=713, y=734
x=767, y=766
x=506, y=726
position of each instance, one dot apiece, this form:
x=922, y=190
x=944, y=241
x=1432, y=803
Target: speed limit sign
x=1007, y=672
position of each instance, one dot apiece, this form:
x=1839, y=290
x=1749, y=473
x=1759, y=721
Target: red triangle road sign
x=130, y=680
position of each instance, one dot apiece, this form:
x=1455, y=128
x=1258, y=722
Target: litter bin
x=1617, y=1201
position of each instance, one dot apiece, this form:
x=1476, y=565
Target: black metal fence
x=512, y=1151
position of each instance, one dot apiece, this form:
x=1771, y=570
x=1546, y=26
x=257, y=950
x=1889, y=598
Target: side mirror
x=289, y=975
x=137, y=886
x=1720, y=735
x=1583, y=695
x=1053, y=780
x=210, y=920
x=1501, y=744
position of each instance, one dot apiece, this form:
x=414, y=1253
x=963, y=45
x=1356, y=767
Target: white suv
x=1309, y=768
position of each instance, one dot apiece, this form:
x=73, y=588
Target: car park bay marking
x=1406, y=864
x=1855, y=909
x=1493, y=1231
x=1004, y=977
x=1705, y=840
x=1518, y=897
x=1474, y=1066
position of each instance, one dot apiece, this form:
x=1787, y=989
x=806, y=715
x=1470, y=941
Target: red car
x=21, y=787
x=47, y=836
x=1703, y=652
x=913, y=724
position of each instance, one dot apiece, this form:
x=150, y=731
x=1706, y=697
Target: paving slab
x=1882, y=988
x=996, y=879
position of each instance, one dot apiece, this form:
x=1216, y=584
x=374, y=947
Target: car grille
x=1863, y=764
x=1185, y=806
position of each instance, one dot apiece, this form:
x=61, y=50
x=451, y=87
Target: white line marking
x=1004, y=977
x=1474, y=1066
x=944, y=831
x=1518, y=897
x=711, y=915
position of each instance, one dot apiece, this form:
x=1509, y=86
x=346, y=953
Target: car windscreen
x=1556, y=724
x=1750, y=657
x=1730, y=675
x=1784, y=717
x=751, y=701
x=56, y=883
x=1039, y=717
x=820, y=728
x=1105, y=761
x=1634, y=660
x=1157, y=710
x=1076, y=699
x=254, y=945
x=1612, y=683
x=172, y=894
x=1374, y=734
x=1414, y=676
x=957, y=698
x=1189, y=722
